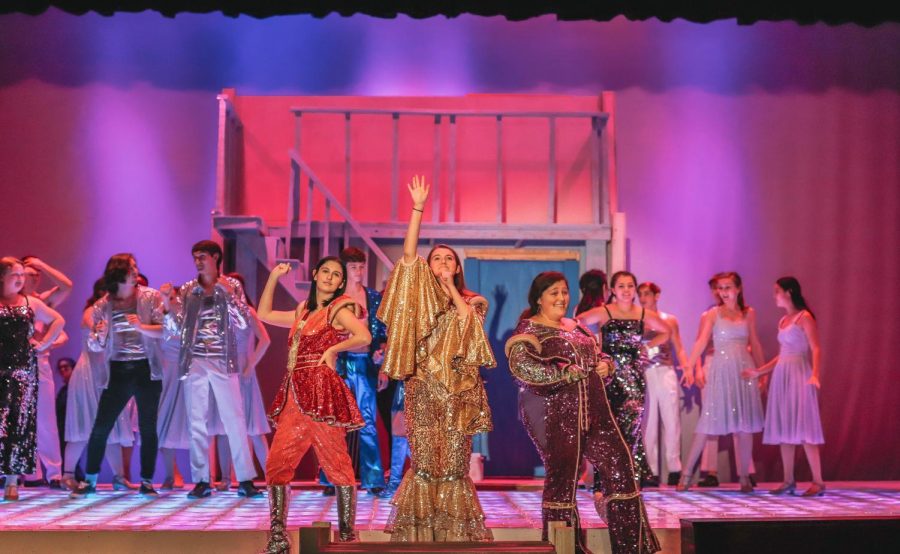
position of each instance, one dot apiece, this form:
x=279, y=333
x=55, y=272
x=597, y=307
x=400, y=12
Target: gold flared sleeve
x=410, y=309
x=531, y=368
x=472, y=345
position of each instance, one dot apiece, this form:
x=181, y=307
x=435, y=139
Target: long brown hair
x=592, y=285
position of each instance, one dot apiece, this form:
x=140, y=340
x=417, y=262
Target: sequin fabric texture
x=438, y=354
x=558, y=366
x=18, y=391
x=626, y=388
x=318, y=391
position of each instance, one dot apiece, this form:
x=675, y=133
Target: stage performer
x=252, y=344
x=48, y=434
x=359, y=370
x=731, y=402
x=206, y=314
x=792, y=412
x=558, y=360
x=314, y=407
x=172, y=424
x=126, y=331
x=19, y=372
x=436, y=343
x=709, y=460
x=662, y=391
x=82, y=399
x=622, y=326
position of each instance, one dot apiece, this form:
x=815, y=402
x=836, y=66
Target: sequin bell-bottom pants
x=295, y=434
x=436, y=500
x=580, y=424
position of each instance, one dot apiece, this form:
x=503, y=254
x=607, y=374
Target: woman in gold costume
x=436, y=343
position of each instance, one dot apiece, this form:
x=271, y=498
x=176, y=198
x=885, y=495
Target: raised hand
x=280, y=270
x=418, y=190
x=167, y=290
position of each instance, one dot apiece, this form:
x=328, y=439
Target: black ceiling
x=862, y=12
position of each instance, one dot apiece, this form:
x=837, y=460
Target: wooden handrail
x=447, y=113
x=331, y=203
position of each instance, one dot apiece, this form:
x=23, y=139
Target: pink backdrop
x=770, y=149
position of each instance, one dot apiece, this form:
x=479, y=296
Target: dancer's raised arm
x=265, y=311
x=418, y=190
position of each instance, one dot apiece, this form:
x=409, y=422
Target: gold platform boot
x=279, y=499
x=346, y=499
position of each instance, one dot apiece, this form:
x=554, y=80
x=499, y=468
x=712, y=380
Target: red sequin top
x=318, y=391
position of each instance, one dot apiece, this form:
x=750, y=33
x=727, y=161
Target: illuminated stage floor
x=512, y=509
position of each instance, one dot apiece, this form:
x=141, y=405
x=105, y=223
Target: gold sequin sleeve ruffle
x=412, y=304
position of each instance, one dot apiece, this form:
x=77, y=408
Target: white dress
x=731, y=403
x=792, y=413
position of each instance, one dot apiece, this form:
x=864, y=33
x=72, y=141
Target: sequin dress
x=731, y=403
x=792, y=412
x=439, y=356
x=622, y=340
x=18, y=390
x=558, y=365
x=318, y=391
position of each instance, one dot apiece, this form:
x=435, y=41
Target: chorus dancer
x=48, y=448
x=662, y=391
x=709, y=460
x=399, y=440
x=622, y=326
x=126, y=331
x=82, y=398
x=594, y=293
x=314, y=407
x=731, y=403
x=359, y=370
x=252, y=344
x=172, y=424
x=436, y=342
x=792, y=411
x=206, y=313
x=560, y=361
x=19, y=372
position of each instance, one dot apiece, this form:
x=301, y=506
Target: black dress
x=18, y=390
x=626, y=388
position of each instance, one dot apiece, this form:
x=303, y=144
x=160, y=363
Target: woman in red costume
x=314, y=408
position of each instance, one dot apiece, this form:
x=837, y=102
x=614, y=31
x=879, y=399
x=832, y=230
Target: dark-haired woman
x=436, y=342
x=731, y=402
x=792, y=412
x=82, y=398
x=19, y=372
x=594, y=291
x=557, y=359
x=126, y=331
x=314, y=407
x=622, y=324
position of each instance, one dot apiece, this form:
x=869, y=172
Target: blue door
x=505, y=284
